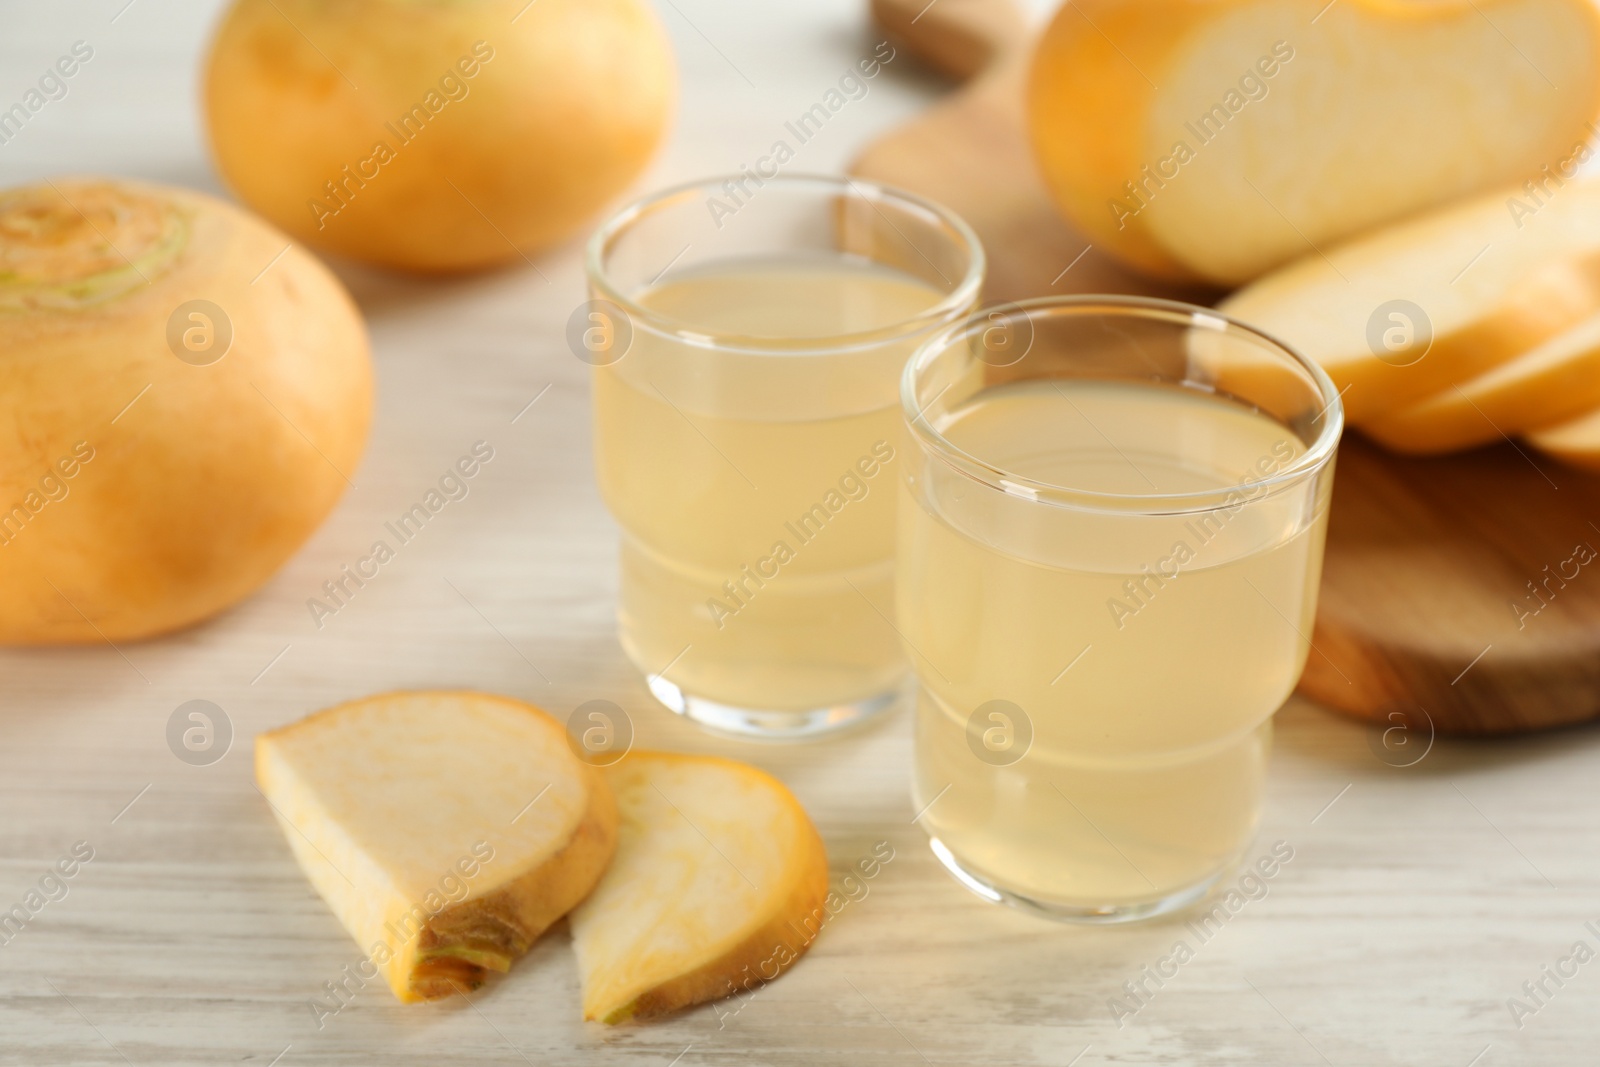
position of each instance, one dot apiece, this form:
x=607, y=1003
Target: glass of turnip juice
x=747, y=337
x=1110, y=541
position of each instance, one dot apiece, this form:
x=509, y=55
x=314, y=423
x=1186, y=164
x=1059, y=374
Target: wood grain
x=1418, y=901
x=1458, y=586
x=1428, y=561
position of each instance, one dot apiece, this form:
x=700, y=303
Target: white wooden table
x=1418, y=900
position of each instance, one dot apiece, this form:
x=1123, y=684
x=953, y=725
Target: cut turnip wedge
x=1552, y=384
x=1218, y=139
x=718, y=884
x=1404, y=312
x=1576, y=442
x=446, y=831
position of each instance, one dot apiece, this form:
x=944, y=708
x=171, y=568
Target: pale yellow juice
x=1146, y=653
x=755, y=488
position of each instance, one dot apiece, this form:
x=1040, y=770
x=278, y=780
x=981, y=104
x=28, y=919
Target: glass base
x=1102, y=915
x=754, y=724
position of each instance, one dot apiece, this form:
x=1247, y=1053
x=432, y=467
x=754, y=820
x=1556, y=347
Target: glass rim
x=961, y=296
x=1313, y=459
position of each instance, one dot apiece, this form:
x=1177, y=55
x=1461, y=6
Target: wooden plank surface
x=1418, y=900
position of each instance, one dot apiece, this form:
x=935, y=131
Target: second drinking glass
x=1109, y=556
x=748, y=337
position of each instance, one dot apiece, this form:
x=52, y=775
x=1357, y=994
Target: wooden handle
x=957, y=38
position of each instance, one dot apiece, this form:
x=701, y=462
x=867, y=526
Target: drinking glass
x=1111, y=536
x=748, y=336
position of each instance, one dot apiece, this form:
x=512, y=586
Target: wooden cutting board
x=1452, y=594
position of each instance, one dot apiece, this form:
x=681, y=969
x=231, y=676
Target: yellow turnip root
x=183, y=397
x=436, y=135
